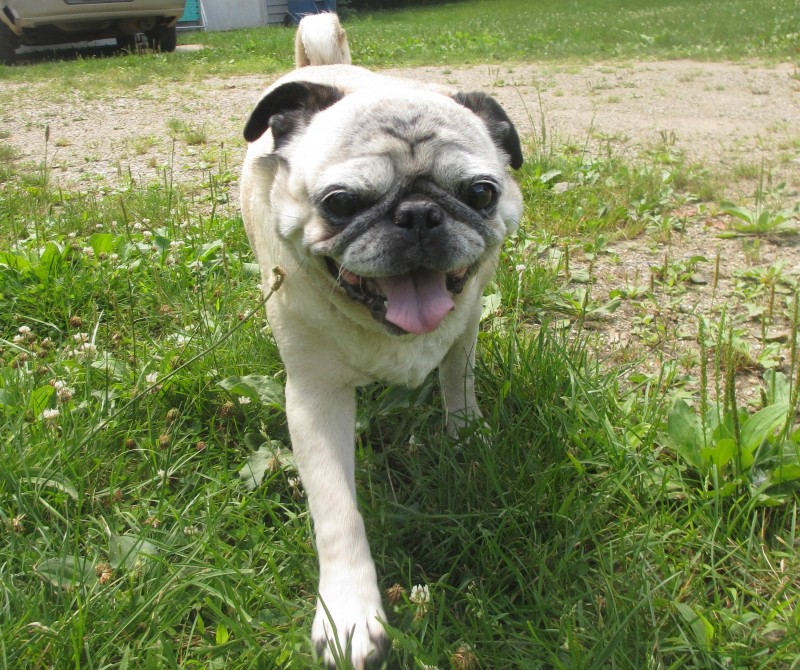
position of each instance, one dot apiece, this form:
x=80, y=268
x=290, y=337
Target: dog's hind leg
x=457, y=377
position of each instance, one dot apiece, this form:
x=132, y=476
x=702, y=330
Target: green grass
x=473, y=31
x=617, y=520
x=590, y=535
x=481, y=31
x=189, y=133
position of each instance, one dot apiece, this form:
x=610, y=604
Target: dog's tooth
x=349, y=277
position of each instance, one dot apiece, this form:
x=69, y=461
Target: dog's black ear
x=496, y=120
x=288, y=108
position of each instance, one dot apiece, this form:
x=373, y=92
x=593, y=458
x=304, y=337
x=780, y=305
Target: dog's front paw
x=348, y=628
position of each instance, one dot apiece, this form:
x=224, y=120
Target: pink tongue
x=417, y=302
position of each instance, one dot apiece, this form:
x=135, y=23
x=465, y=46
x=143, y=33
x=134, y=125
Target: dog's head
x=399, y=193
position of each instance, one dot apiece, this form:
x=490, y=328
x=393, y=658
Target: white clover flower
x=81, y=337
x=151, y=378
x=420, y=594
x=98, y=226
x=146, y=234
x=24, y=330
x=521, y=268
x=114, y=257
x=295, y=487
x=180, y=340
x=244, y=400
x=50, y=415
x=88, y=350
x=64, y=393
x=176, y=244
x=87, y=251
x=84, y=351
x=18, y=339
x=137, y=226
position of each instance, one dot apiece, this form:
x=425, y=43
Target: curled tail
x=321, y=40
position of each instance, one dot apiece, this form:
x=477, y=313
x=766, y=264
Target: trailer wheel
x=8, y=45
x=163, y=38
x=127, y=43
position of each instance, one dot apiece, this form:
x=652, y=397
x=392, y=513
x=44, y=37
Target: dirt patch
x=719, y=114
x=729, y=116
x=741, y=120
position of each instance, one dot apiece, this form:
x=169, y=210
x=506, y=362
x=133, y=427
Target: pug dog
x=384, y=203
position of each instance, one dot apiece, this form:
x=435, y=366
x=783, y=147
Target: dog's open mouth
x=416, y=302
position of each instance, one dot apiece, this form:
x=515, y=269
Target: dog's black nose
x=418, y=215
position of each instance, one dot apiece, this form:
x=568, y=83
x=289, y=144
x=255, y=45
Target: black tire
x=126, y=43
x=163, y=38
x=8, y=45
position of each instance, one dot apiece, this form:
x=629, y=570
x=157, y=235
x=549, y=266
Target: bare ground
x=727, y=115
x=741, y=120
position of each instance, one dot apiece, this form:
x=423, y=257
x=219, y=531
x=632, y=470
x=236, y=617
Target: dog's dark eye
x=342, y=204
x=481, y=195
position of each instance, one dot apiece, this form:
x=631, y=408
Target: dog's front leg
x=322, y=424
x=457, y=377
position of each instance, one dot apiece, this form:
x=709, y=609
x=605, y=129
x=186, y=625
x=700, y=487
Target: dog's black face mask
x=408, y=254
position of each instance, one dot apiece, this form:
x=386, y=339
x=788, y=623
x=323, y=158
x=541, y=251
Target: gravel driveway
x=722, y=114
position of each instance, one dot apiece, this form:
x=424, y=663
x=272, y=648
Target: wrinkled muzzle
x=416, y=292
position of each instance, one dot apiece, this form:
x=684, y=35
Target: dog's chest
x=401, y=360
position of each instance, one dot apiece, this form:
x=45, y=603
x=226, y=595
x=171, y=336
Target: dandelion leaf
x=257, y=387
x=269, y=457
x=67, y=572
x=683, y=431
x=129, y=551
